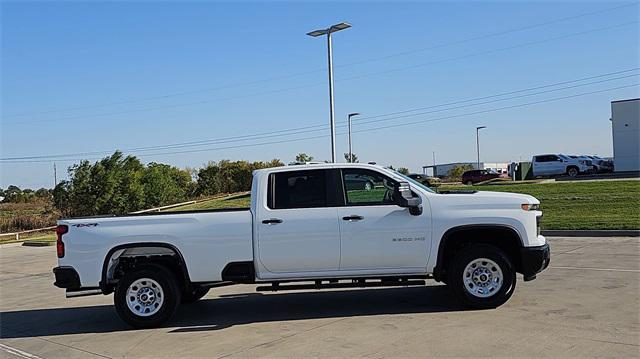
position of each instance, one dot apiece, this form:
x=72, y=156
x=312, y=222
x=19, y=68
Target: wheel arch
x=148, y=249
x=508, y=238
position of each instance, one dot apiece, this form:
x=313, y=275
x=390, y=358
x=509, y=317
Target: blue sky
x=84, y=77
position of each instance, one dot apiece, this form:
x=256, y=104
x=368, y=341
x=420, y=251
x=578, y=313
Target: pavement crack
x=570, y=250
x=281, y=338
x=74, y=348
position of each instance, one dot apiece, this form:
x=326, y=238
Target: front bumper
x=66, y=277
x=534, y=260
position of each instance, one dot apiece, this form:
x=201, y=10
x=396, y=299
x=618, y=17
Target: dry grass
x=16, y=217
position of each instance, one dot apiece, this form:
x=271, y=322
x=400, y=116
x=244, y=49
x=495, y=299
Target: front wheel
x=482, y=276
x=572, y=171
x=147, y=297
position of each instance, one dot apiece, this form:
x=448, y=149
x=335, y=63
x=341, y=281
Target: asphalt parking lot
x=587, y=304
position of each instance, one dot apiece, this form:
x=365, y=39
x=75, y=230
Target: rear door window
x=297, y=189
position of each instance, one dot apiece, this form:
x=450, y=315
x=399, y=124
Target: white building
x=625, y=126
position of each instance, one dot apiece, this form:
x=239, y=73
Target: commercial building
x=625, y=127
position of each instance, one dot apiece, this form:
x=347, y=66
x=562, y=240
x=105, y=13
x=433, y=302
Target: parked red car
x=475, y=176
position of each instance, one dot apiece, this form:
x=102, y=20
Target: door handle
x=352, y=218
x=272, y=221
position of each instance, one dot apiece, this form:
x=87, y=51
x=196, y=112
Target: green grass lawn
x=580, y=205
x=233, y=201
x=49, y=237
x=566, y=205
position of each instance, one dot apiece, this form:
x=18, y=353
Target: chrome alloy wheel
x=145, y=297
x=482, y=278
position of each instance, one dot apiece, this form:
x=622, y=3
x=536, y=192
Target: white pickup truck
x=309, y=227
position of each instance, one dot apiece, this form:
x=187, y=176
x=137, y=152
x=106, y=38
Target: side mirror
x=404, y=198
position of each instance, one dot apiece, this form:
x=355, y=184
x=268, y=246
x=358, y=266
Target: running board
x=356, y=283
x=82, y=293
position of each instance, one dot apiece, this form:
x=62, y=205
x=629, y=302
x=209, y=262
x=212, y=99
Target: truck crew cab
x=308, y=226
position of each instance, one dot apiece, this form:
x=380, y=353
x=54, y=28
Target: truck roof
x=318, y=166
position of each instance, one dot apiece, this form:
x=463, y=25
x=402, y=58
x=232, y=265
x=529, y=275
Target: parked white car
x=308, y=224
x=601, y=165
x=558, y=164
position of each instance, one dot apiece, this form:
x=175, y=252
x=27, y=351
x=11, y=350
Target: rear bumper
x=534, y=260
x=66, y=277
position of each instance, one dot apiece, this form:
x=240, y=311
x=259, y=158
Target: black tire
x=469, y=183
x=170, y=290
x=194, y=295
x=572, y=171
x=456, y=276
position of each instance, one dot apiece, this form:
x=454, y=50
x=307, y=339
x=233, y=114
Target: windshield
x=414, y=182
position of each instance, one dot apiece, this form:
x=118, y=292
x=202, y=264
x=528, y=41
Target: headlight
x=530, y=207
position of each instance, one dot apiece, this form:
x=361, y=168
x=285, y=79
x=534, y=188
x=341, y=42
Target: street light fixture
x=478, y=143
x=350, y=151
x=328, y=32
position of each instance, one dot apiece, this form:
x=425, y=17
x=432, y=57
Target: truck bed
x=206, y=239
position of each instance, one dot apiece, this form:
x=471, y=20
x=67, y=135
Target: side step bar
x=83, y=292
x=356, y=283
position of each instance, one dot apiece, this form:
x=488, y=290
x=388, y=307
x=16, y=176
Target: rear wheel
x=482, y=276
x=194, y=295
x=147, y=297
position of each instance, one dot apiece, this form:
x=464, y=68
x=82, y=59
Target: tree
x=403, y=170
x=455, y=173
x=110, y=186
x=303, y=158
x=229, y=176
x=61, y=198
x=207, y=182
x=12, y=194
x=354, y=158
x=164, y=184
x=43, y=193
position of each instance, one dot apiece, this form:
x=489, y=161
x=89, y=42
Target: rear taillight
x=60, y=230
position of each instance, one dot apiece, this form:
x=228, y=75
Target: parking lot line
x=18, y=352
x=599, y=269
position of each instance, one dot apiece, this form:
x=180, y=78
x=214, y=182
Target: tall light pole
x=350, y=151
x=328, y=32
x=478, y=142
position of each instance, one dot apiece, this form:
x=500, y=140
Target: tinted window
x=546, y=158
x=297, y=189
x=366, y=187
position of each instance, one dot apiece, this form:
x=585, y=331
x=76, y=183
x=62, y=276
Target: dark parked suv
x=475, y=176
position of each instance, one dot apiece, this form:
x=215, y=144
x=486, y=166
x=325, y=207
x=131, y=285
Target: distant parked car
x=475, y=176
x=425, y=180
x=601, y=165
x=559, y=164
x=358, y=182
x=585, y=160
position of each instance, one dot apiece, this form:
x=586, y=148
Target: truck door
x=375, y=232
x=298, y=226
x=556, y=165
x=541, y=165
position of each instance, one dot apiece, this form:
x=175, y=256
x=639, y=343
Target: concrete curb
x=36, y=243
x=592, y=233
